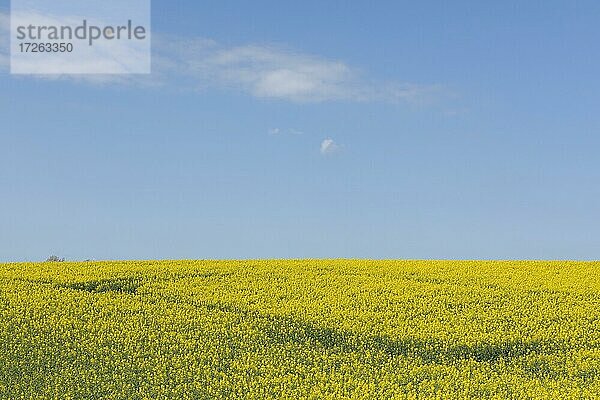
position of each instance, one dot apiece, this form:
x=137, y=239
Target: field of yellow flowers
x=317, y=329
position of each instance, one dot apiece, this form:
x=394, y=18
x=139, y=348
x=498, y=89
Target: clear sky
x=311, y=129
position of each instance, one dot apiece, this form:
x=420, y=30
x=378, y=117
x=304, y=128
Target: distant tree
x=55, y=259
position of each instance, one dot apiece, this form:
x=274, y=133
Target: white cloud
x=269, y=72
x=261, y=71
x=279, y=131
x=329, y=146
x=272, y=73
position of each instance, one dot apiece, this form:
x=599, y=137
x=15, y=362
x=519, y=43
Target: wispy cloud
x=262, y=71
x=274, y=73
x=329, y=146
x=279, y=131
x=277, y=73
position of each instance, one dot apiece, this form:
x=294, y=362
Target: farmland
x=300, y=329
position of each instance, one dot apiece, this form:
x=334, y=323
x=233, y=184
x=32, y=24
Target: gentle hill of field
x=300, y=329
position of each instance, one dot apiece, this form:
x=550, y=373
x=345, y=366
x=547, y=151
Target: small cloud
x=279, y=131
x=329, y=146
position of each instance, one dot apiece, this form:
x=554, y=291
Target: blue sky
x=269, y=129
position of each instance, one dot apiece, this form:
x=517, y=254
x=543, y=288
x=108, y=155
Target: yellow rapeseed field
x=316, y=329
